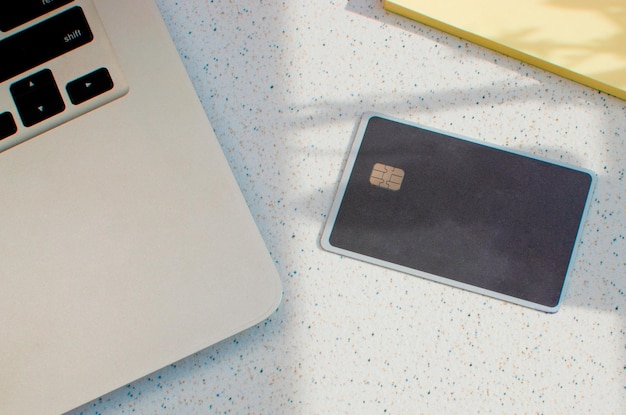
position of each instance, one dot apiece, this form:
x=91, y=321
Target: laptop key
x=37, y=98
x=14, y=13
x=43, y=42
x=89, y=86
x=7, y=125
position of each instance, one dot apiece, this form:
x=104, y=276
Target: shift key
x=43, y=42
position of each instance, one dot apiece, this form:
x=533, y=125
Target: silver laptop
x=125, y=244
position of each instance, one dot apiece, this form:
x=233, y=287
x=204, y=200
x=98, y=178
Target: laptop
x=125, y=243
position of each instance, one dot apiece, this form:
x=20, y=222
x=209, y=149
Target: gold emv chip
x=387, y=177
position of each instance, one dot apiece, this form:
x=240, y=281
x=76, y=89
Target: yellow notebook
x=583, y=40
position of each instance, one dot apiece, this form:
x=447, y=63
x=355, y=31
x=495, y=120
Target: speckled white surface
x=284, y=84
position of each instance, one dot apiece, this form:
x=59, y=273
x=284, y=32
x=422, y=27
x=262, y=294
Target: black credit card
x=460, y=212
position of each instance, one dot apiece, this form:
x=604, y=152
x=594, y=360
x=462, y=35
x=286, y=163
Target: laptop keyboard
x=56, y=63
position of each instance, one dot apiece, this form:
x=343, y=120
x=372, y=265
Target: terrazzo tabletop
x=284, y=84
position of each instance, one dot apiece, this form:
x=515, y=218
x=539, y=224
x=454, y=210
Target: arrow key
x=37, y=98
x=7, y=125
x=89, y=86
